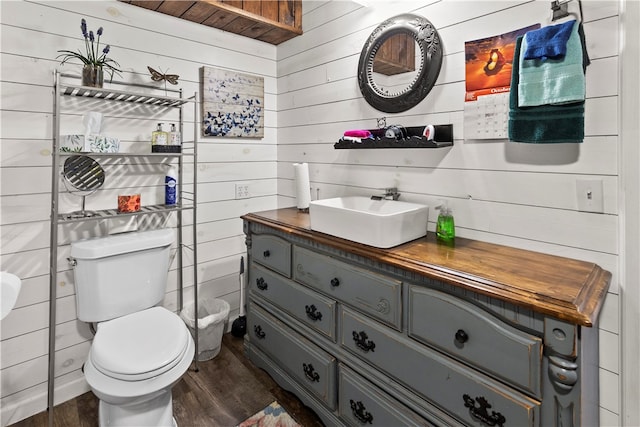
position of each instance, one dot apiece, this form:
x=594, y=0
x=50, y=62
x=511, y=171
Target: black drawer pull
x=362, y=343
x=257, y=329
x=310, y=373
x=360, y=412
x=266, y=253
x=461, y=336
x=312, y=313
x=261, y=284
x=480, y=413
x=335, y=282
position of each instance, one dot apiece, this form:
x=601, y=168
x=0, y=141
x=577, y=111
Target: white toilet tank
x=120, y=274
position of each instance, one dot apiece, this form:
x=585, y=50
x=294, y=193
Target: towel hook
x=561, y=9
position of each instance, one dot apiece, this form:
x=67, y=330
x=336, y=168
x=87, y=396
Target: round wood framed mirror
x=400, y=63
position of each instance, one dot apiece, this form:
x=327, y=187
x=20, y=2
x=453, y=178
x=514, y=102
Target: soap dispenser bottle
x=159, y=139
x=445, y=226
x=175, y=139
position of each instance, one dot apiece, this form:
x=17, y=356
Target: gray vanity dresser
x=422, y=334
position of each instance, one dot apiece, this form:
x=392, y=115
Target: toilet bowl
x=140, y=349
x=133, y=363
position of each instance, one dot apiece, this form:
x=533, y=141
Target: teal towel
x=546, y=123
x=553, y=80
x=548, y=42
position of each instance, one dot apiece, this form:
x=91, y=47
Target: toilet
x=140, y=350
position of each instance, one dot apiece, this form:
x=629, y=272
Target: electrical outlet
x=590, y=197
x=242, y=191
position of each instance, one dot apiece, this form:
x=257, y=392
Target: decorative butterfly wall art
x=157, y=76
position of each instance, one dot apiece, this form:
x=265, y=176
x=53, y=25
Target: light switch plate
x=590, y=195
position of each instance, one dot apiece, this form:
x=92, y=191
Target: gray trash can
x=212, y=316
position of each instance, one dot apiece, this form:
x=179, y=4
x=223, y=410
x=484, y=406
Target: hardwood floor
x=225, y=391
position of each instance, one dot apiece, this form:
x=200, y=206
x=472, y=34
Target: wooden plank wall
x=507, y=193
x=516, y=194
x=32, y=32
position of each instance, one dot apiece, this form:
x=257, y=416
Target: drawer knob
x=362, y=342
x=335, y=282
x=461, y=336
x=310, y=373
x=478, y=409
x=257, y=329
x=360, y=412
x=312, y=312
x=266, y=253
x=261, y=284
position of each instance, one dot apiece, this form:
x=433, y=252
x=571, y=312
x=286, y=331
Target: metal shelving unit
x=133, y=94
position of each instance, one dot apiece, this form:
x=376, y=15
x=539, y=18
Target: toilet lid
x=140, y=345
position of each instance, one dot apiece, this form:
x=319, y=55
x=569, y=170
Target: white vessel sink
x=379, y=223
x=10, y=288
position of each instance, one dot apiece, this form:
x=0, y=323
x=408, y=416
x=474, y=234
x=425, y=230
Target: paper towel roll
x=303, y=190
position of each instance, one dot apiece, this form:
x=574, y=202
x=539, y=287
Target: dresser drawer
x=362, y=403
x=480, y=339
x=457, y=389
x=272, y=252
x=374, y=294
x=304, y=304
x=307, y=363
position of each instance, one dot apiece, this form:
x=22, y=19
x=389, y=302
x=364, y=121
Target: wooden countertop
x=564, y=288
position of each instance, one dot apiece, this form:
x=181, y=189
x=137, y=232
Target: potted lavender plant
x=95, y=61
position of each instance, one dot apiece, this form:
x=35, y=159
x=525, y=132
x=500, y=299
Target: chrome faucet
x=389, y=194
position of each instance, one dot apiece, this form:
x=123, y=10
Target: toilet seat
x=141, y=345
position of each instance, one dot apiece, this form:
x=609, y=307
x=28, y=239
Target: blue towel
x=548, y=42
x=545, y=123
x=553, y=80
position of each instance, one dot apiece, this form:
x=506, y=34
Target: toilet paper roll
x=303, y=190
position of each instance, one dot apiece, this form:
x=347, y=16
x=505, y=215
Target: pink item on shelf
x=359, y=133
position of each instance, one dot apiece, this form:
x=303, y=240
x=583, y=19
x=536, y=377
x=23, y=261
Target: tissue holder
x=101, y=144
x=129, y=203
x=91, y=143
x=71, y=143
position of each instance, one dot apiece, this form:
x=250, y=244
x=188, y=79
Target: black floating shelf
x=412, y=138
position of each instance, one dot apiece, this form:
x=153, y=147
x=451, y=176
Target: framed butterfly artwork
x=232, y=104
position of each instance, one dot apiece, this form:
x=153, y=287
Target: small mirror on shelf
x=399, y=63
x=82, y=176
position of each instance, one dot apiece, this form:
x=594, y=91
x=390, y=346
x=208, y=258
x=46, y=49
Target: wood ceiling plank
x=152, y=5
x=199, y=12
x=174, y=8
x=256, y=31
x=269, y=10
x=219, y=19
x=287, y=13
x=238, y=25
x=253, y=6
x=269, y=21
x=277, y=36
x=233, y=3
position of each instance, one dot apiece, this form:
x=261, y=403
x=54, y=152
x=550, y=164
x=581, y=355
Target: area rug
x=273, y=415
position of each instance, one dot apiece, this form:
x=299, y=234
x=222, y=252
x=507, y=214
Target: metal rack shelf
x=118, y=95
x=114, y=213
x=110, y=94
x=64, y=87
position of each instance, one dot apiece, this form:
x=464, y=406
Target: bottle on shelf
x=175, y=140
x=159, y=139
x=171, y=187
